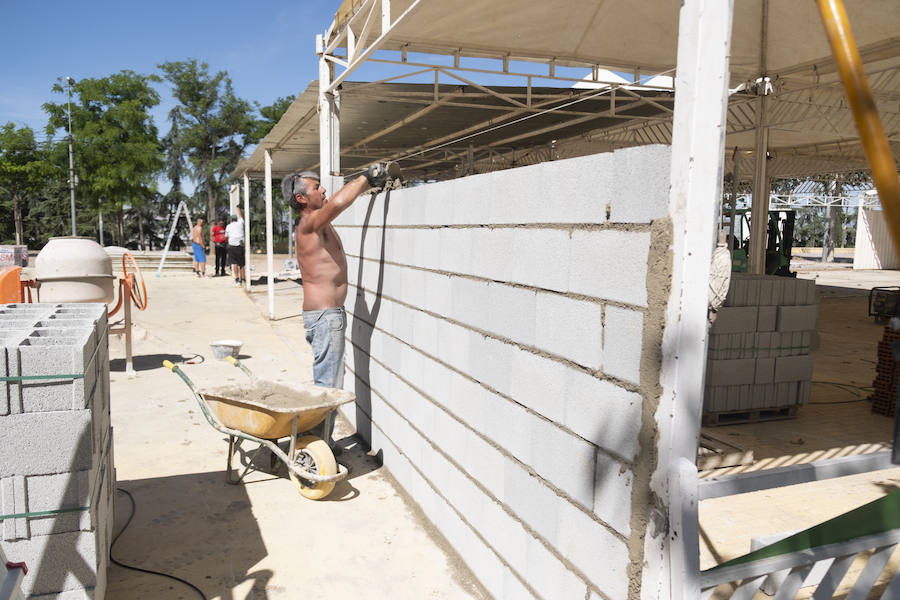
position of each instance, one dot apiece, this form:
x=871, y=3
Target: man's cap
x=233, y=217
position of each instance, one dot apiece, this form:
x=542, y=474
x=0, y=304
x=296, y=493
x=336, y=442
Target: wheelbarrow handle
x=172, y=367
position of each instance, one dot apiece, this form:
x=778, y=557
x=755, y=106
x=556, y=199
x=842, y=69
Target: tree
x=117, y=149
x=213, y=125
x=270, y=116
x=20, y=171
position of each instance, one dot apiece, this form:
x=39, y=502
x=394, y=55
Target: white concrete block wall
x=495, y=345
x=56, y=440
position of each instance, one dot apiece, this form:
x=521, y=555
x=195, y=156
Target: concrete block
x=539, y=258
x=509, y=425
x=469, y=299
x=735, y=319
x=491, y=362
x=56, y=563
x=797, y=318
x=513, y=587
x=42, y=443
x=531, y=500
x=804, y=390
x=549, y=576
x=610, y=264
x=13, y=500
x=538, y=382
x=789, y=292
x=602, y=413
x=793, y=368
x=766, y=290
x=504, y=533
x=467, y=399
x=737, y=292
x=553, y=447
x=511, y=313
x=765, y=371
x=739, y=371
x=613, y=483
x=484, y=462
x=778, y=291
x=641, y=186
x=570, y=328
x=599, y=554
x=622, y=342
x=753, y=291
x=63, y=490
x=766, y=319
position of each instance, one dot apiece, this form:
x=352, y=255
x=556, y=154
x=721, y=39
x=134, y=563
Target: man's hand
x=384, y=176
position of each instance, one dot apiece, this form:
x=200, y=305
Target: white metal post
x=329, y=128
x=270, y=271
x=246, y=232
x=759, y=210
x=698, y=141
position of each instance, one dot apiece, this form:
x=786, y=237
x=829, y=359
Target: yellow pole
x=871, y=133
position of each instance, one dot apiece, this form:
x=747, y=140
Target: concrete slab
x=260, y=539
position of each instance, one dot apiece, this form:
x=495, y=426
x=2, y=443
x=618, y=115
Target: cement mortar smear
x=56, y=434
x=759, y=345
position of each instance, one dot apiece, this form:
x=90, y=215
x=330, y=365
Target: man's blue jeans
x=325, y=334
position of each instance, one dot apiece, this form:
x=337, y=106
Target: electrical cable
x=846, y=387
x=139, y=569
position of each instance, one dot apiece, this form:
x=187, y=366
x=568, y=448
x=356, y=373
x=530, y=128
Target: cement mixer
x=78, y=269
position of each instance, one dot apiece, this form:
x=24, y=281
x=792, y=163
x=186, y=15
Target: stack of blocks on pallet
x=759, y=366
x=884, y=395
x=55, y=434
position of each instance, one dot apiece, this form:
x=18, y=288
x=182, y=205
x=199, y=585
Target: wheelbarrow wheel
x=314, y=454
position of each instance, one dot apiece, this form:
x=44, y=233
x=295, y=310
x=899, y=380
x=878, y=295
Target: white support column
x=698, y=139
x=329, y=129
x=246, y=232
x=759, y=210
x=270, y=272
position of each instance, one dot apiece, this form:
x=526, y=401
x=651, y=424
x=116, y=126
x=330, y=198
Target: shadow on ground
x=214, y=548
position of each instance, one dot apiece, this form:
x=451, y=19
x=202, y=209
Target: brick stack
x=758, y=365
x=56, y=441
x=885, y=384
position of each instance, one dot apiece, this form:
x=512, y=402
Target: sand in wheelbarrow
x=280, y=397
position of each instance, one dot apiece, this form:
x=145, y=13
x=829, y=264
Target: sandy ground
x=837, y=422
x=260, y=539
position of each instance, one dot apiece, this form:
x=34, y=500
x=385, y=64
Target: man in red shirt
x=217, y=239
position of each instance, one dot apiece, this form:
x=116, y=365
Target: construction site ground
x=263, y=540
x=259, y=540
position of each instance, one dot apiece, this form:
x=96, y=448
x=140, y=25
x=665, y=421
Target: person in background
x=234, y=233
x=197, y=245
x=218, y=240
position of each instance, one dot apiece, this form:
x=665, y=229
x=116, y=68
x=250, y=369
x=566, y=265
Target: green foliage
x=270, y=116
x=117, y=149
x=21, y=170
x=211, y=126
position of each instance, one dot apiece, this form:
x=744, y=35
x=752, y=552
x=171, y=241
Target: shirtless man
x=197, y=245
x=323, y=265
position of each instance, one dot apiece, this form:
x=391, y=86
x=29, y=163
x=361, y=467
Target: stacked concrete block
x=496, y=346
x=759, y=364
x=57, y=475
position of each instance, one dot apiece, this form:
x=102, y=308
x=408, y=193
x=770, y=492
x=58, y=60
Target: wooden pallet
x=715, y=453
x=756, y=415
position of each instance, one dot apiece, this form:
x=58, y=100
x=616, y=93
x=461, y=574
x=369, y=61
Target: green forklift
x=779, y=242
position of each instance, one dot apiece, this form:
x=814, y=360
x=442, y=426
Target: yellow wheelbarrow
x=265, y=412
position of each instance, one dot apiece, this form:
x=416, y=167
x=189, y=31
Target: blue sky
x=267, y=49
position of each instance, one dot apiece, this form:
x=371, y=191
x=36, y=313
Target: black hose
x=124, y=566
